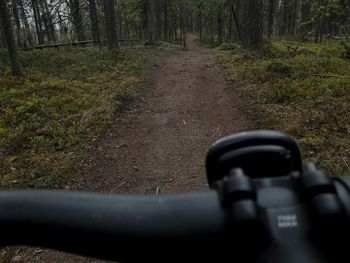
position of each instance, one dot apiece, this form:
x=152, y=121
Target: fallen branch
x=217, y=130
x=345, y=162
x=109, y=66
x=330, y=76
x=294, y=49
x=73, y=44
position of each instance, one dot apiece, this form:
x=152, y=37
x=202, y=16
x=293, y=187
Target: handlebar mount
x=283, y=212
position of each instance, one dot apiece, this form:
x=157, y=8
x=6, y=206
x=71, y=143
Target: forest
x=34, y=23
x=67, y=67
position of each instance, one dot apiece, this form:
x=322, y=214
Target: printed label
x=287, y=221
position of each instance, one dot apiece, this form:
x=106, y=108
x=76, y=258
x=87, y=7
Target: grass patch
x=301, y=89
x=67, y=98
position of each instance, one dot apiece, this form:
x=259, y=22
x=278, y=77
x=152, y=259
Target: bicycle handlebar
x=284, y=214
x=125, y=228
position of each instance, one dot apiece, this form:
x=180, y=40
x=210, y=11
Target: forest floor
x=300, y=88
x=160, y=142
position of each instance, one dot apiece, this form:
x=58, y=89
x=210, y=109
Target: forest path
x=160, y=143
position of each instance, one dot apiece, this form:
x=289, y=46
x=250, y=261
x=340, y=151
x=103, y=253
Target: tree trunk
x=183, y=23
x=252, y=31
x=230, y=28
x=26, y=30
x=151, y=21
x=37, y=20
x=111, y=24
x=212, y=24
x=144, y=18
x=271, y=18
x=63, y=27
x=77, y=19
x=200, y=25
x=166, y=34
x=220, y=25
x=94, y=22
x=158, y=17
x=45, y=20
x=236, y=17
x=10, y=42
x=50, y=24
x=305, y=26
x=2, y=36
x=17, y=22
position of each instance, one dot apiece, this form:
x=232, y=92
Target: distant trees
x=8, y=34
x=37, y=22
x=248, y=21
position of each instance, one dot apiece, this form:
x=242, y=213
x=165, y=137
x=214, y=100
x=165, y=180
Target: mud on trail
x=159, y=144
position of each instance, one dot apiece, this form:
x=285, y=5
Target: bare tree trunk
x=183, y=24
x=144, y=19
x=38, y=24
x=305, y=17
x=252, y=24
x=151, y=21
x=298, y=15
x=236, y=18
x=200, y=25
x=2, y=36
x=94, y=22
x=50, y=25
x=212, y=24
x=158, y=17
x=111, y=24
x=26, y=30
x=166, y=33
x=174, y=26
x=45, y=20
x=230, y=28
x=220, y=25
x=77, y=19
x=17, y=22
x=271, y=17
x=63, y=27
x=10, y=42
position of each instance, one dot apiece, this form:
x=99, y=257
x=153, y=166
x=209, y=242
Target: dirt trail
x=160, y=143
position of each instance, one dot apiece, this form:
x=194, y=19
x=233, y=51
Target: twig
x=330, y=76
x=109, y=66
x=345, y=162
x=157, y=191
x=184, y=122
x=143, y=99
x=118, y=187
x=217, y=130
x=295, y=49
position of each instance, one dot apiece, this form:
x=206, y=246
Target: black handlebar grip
x=124, y=228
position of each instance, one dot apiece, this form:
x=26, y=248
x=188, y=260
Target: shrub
x=279, y=67
x=228, y=47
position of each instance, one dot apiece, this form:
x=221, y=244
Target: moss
x=279, y=67
x=304, y=93
x=49, y=117
x=228, y=47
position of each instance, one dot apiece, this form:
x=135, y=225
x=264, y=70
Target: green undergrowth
x=50, y=117
x=302, y=89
